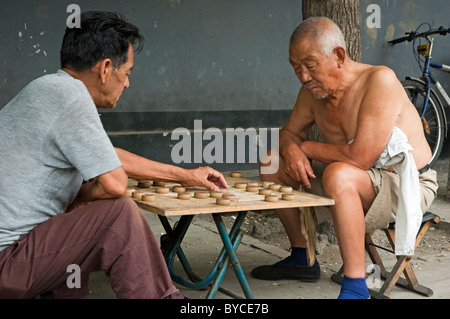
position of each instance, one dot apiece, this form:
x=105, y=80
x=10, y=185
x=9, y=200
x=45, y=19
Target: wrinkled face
x=314, y=69
x=117, y=81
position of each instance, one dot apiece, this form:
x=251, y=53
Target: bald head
x=322, y=32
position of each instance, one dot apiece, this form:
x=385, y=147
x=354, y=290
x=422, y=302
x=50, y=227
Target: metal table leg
x=235, y=236
x=231, y=242
x=171, y=242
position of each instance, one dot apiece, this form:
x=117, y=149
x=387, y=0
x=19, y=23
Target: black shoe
x=279, y=271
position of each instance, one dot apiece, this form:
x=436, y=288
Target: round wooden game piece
x=162, y=190
x=240, y=185
x=184, y=195
x=252, y=189
x=275, y=187
x=149, y=197
x=144, y=184
x=288, y=196
x=137, y=194
x=178, y=189
x=216, y=194
x=201, y=194
x=231, y=197
x=271, y=198
x=252, y=184
x=159, y=184
x=267, y=184
x=286, y=189
x=236, y=174
x=265, y=191
x=129, y=191
x=223, y=201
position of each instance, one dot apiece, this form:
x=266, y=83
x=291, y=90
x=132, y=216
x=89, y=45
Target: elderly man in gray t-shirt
x=62, y=181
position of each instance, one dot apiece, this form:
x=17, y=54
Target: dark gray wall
x=200, y=55
x=222, y=61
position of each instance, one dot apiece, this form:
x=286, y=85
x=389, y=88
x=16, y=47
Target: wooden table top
x=169, y=205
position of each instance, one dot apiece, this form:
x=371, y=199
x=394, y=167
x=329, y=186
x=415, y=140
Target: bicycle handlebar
x=413, y=35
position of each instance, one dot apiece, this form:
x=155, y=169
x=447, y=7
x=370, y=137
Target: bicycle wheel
x=432, y=120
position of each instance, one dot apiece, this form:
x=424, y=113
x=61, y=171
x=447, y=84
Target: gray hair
x=323, y=31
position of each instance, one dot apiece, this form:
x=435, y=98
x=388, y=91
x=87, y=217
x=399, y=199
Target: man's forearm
x=330, y=153
x=141, y=168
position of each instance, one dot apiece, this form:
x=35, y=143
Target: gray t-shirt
x=51, y=139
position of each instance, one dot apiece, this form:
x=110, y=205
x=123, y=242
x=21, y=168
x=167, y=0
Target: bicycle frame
x=429, y=78
x=443, y=68
x=421, y=88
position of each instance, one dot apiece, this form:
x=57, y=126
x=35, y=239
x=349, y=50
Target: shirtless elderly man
x=356, y=107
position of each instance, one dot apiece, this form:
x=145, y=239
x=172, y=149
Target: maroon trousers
x=109, y=235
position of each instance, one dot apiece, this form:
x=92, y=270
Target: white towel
x=397, y=154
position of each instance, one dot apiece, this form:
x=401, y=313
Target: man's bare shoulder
x=380, y=85
x=380, y=75
x=383, y=92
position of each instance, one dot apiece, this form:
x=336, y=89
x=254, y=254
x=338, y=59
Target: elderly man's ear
x=340, y=56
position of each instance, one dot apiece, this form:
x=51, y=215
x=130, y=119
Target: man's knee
x=338, y=176
x=117, y=209
x=125, y=201
x=126, y=218
x=127, y=204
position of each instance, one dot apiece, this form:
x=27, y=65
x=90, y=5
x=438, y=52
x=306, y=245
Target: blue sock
x=354, y=288
x=297, y=258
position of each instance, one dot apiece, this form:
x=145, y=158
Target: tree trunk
x=345, y=13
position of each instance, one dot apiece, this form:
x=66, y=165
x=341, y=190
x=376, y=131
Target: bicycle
x=421, y=92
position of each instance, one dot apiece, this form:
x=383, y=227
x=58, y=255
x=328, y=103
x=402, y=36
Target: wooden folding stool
x=402, y=265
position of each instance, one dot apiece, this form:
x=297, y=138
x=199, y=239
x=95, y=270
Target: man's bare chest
x=338, y=125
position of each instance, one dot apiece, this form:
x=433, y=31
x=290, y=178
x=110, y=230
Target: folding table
x=168, y=205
